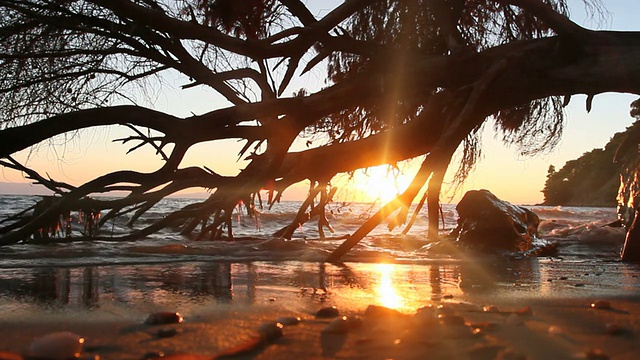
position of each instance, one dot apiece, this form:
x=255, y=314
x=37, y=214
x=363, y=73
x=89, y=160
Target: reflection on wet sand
x=295, y=284
x=396, y=286
x=386, y=290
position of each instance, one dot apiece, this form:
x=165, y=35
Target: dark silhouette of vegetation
x=592, y=179
x=405, y=79
x=628, y=156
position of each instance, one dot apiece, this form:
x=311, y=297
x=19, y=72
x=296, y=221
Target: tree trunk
x=631, y=248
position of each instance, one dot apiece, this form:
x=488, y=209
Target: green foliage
x=592, y=179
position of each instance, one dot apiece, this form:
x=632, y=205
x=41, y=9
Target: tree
x=629, y=192
x=592, y=179
x=406, y=78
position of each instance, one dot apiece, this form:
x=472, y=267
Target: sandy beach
x=501, y=320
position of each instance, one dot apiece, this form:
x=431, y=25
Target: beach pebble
x=289, y=320
x=484, y=326
x=443, y=310
x=596, y=355
x=152, y=355
x=328, y=312
x=166, y=333
x=615, y=329
x=182, y=357
x=601, y=304
x=337, y=326
x=509, y=354
x=62, y=345
x=425, y=317
x=458, y=332
x=484, y=352
x=4, y=355
x=375, y=311
x=514, y=319
x=270, y=331
x=490, y=309
x=555, y=330
x=451, y=320
x=163, y=318
x=429, y=309
x=524, y=311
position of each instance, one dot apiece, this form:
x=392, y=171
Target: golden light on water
x=386, y=292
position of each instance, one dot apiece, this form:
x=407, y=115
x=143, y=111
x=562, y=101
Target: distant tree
x=405, y=78
x=590, y=180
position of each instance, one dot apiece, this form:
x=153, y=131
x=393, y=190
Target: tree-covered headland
x=592, y=179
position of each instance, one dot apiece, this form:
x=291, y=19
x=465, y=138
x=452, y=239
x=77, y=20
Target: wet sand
x=552, y=329
x=542, y=312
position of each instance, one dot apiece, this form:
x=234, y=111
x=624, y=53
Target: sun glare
x=381, y=183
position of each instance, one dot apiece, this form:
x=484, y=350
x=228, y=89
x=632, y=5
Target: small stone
x=601, y=305
x=555, y=330
x=509, y=354
x=425, y=318
x=484, y=352
x=596, y=355
x=271, y=299
x=5, y=355
x=152, y=355
x=524, y=311
x=514, y=319
x=375, y=311
x=166, y=333
x=490, y=309
x=484, y=326
x=443, y=310
x=451, y=320
x=615, y=329
x=270, y=331
x=289, y=320
x=364, y=341
x=183, y=357
x=62, y=345
x=163, y=318
x=429, y=309
x=328, y=312
x=458, y=332
x=342, y=325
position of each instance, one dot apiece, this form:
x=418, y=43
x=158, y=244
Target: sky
x=518, y=179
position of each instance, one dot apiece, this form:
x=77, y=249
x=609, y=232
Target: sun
x=381, y=183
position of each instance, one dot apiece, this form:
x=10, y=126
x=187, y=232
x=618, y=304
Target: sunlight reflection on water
x=386, y=291
x=195, y=288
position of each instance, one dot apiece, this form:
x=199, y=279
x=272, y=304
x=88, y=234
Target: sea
x=167, y=271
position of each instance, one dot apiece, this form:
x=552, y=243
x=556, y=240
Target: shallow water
x=169, y=272
x=200, y=288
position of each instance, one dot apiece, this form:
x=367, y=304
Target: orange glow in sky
x=80, y=158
